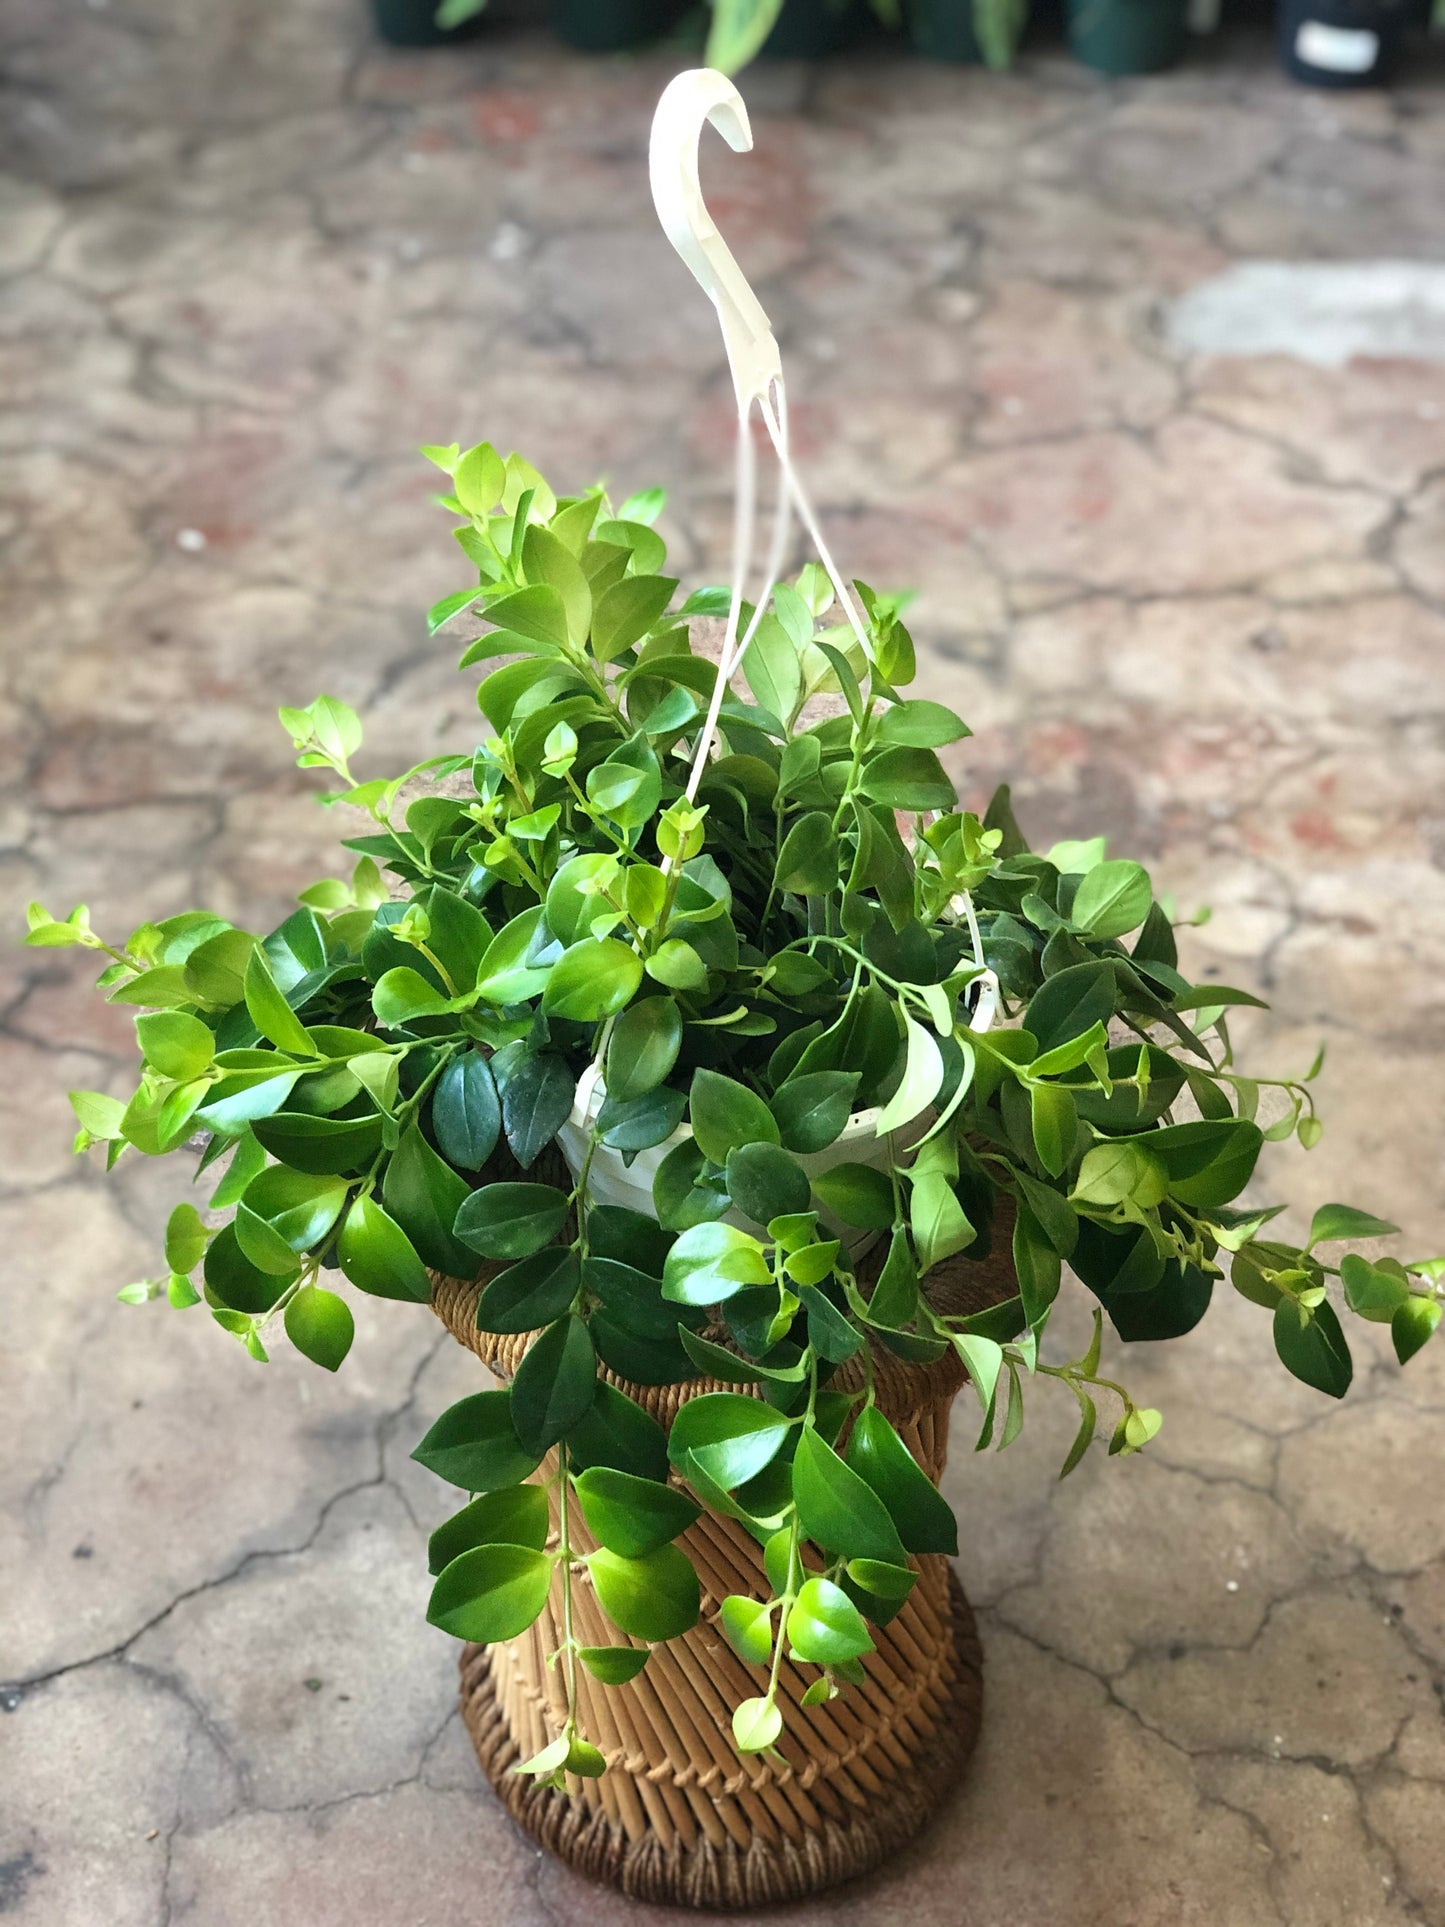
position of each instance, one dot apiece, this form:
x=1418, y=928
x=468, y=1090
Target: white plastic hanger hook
x=688, y=103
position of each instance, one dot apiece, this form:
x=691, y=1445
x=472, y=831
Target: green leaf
x=554, y=1384
x=424, y=1194
x=655, y=1597
x=938, y=1222
x=298, y=1208
x=772, y=668
x=593, y=979
x=322, y=1146
x=677, y=965
x=895, y=1296
x=1312, y=1346
x=1413, y=1325
x=377, y=1256
x=921, y=725
x=548, y=561
x=516, y=1515
x=921, y=1082
x=1083, y=1438
x=627, y=611
x=1055, y=1124
x=475, y=1445
x=491, y=1593
x=537, y=1098
x=1036, y=1265
x=711, y=1262
x=504, y=975
x=837, y=1509
x=811, y=1111
x=613, y=1665
x=630, y=1515
x=640, y=1123
x=1209, y=1160
x=643, y=1048
x=907, y=779
x=856, y=1194
x=531, y=1294
x=884, y=1579
x=1069, y=1004
x=757, y=1725
x=918, y=1509
x=725, y=1114
x=176, y=1045
x=466, y=1114
x=764, y=1182
x=680, y=1196
x=808, y=863
x=98, y=1114
x=825, y=1627
x=478, y=480
x=616, y=1431
x=732, y=1437
x=748, y=1627
x=1334, y=1221
x=270, y=1012
x=186, y=1238
x=1370, y=1291
x=1112, y=899
x=511, y=1220
x=320, y=1326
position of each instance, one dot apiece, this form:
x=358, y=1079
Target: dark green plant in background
x=376, y=1088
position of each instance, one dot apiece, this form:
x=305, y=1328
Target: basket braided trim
x=765, y=1866
x=680, y=1817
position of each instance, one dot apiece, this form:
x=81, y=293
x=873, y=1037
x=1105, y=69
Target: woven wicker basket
x=680, y=1817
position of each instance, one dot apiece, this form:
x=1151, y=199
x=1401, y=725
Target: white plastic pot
x=610, y=1181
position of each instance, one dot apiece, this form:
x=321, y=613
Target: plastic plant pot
x=943, y=30
x=610, y=26
x=1127, y=36
x=1334, y=43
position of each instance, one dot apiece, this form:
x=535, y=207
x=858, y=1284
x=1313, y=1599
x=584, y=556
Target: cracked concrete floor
x=249, y=261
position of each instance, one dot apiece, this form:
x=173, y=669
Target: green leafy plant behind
x=375, y=1090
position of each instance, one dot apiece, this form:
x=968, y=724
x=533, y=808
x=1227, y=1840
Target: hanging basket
x=681, y=1818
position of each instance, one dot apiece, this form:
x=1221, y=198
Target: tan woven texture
x=681, y=1817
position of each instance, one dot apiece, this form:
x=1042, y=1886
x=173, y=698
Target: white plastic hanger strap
x=688, y=104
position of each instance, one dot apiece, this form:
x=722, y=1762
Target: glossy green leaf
x=711, y=1262
x=592, y=980
x=748, y=1627
x=857, y=1194
x=270, y=1012
x=1112, y=899
x=725, y=1114
x=377, y=1256
x=924, y=1519
x=825, y=1627
x=764, y=1182
x=515, y=1515
x=630, y=1515
x=654, y=1597
x=1334, y=1221
x=475, y=1445
x=491, y=1592
x=466, y=1113
x=531, y=1293
x=1312, y=1346
x=732, y=1437
x=177, y=1044
x=643, y=1047
x=554, y=1384
x=423, y=1193
x=613, y=1665
x=811, y=1111
x=837, y=1509
x=1413, y=1325
x=511, y=1220
x=320, y=1326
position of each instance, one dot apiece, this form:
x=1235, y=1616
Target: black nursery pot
x=943, y=30
x=1341, y=43
x=412, y=23
x=1127, y=36
x=807, y=28
x=608, y=26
